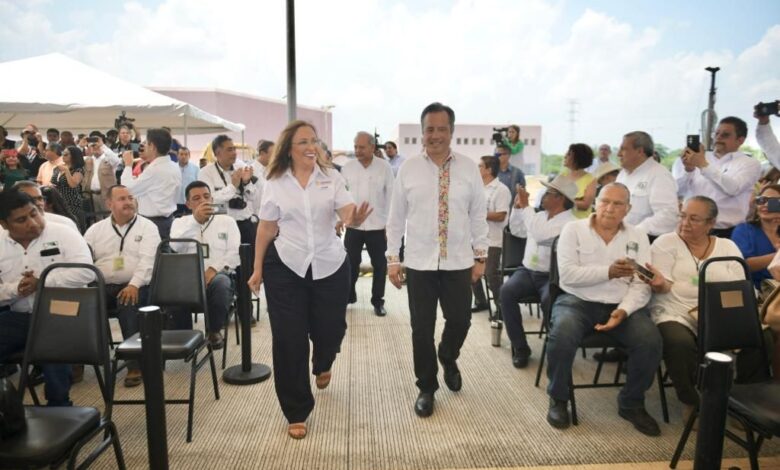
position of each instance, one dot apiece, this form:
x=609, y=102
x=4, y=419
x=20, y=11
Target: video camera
x=123, y=120
x=767, y=109
x=499, y=134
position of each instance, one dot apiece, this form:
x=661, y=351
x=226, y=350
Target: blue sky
x=630, y=64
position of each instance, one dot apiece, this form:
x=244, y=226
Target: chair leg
x=618, y=371
x=120, y=457
x=751, y=448
x=101, y=383
x=213, y=374
x=541, y=362
x=191, y=403
x=662, y=393
x=225, y=340
x=574, y=419
x=599, y=366
x=684, y=438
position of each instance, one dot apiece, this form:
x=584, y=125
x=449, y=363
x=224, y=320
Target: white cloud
x=380, y=62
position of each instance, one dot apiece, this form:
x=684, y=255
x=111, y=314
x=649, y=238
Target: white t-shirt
x=677, y=264
x=497, y=198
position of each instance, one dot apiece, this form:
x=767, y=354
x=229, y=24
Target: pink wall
x=263, y=118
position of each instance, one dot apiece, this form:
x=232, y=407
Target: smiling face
x=437, y=134
x=305, y=146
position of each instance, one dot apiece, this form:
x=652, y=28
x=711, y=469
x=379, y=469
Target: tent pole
x=291, y=97
x=186, y=129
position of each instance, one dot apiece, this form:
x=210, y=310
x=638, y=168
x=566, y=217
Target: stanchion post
x=150, y=323
x=717, y=373
x=247, y=372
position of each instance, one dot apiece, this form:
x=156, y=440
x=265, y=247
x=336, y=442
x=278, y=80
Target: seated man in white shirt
x=533, y=277
x=596, y=259
x=27, y=246
x=220, y=237
x=124, y=246
x=727, y=176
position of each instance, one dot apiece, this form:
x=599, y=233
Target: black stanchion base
x=236, y=376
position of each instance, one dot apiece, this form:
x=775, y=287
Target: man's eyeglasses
x=761, y=200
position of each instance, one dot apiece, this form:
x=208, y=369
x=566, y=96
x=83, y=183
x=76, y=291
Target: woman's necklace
x=697, y=261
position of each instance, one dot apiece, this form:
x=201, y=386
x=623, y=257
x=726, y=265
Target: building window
x=525, y=141
x=406, y=140
x=465, y=141
x=414, y=140
x=457, y=141
x=474, y=140
x=481, y=141
x=533, y=141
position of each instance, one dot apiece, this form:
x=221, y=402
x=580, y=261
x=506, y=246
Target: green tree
x=551, y=163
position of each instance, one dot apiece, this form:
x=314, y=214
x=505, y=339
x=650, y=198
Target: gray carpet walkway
x=365, y=418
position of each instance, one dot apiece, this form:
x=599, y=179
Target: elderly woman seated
x=676, y=258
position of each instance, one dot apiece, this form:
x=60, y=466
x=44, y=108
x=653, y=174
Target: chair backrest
x=512, y=250
x=178, y=278
x=555, y=279
x=69, y=325
x=728, y=313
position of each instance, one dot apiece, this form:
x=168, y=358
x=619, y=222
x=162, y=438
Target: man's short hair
x=218, y=141
x=26, y=184
x=13, y=199
x=110, y=192
x=97, y=134
x=617, y=185
x=371, y=138
x=740, y=126
x=195, y=184
x=111, y=132
x=52, y=131
x=161, y=139
x=264, y=145
x=391, y=144
x=503, y=146
x=491, y=163
x=55, y=147
x=641, y=139
x=437, y=107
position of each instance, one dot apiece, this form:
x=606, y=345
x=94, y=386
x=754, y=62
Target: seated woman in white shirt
x=304, y=266
x=676, y=258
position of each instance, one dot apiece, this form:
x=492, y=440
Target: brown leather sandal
x=322, y=380
x=297, y=430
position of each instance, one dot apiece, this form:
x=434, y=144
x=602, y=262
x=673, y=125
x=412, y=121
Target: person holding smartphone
x=676, y=258
x=766, y=138
x=304, y=266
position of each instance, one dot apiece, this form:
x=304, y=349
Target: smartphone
x=773, y=205
x=642, y=270
x=693, y=142
x=767, y=109
x=220, y=208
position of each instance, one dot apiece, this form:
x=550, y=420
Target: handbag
x=770, y=307
x=12, y=420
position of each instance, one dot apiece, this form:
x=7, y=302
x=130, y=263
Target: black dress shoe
x=424, y=405
x=380, y=310
x=641, y=420
x=613, y=355
x=520, y=357
x=452, y=376
x=558, y=414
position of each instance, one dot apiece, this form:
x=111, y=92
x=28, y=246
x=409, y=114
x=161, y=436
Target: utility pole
x=573, y=110
x=292, y=101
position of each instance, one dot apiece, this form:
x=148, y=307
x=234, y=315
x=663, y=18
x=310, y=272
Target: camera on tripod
x=499, y=134
x=376, y=141
x=123, y=120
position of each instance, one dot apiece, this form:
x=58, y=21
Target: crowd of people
x=434, y=222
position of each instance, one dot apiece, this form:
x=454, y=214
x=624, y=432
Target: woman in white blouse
x=676, y=258
x=304, y=266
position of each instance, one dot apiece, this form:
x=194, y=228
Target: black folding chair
x=595, y=340
x=728, y=320
x=512, y=252
x=177, y=280
x=68, y=325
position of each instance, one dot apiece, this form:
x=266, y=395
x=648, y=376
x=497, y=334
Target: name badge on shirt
x=695, y=280
x=641, y=185
x=322, y=184
x=119, y=263
x=138, y=238
x=534, y=259
x=50, y=252
x=222, y=235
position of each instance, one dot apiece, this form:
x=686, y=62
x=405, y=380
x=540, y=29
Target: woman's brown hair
x=281, y=160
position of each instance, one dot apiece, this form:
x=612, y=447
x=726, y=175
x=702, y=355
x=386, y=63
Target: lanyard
x=221, y=175
x=122, y=237
x=206, y=226
x=695, y=260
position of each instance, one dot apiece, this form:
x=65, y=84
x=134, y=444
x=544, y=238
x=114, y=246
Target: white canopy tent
x=54, y=90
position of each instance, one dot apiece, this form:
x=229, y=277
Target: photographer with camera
x=764, y=135
x=232, y=182
x=31, y=150
x=510, y=137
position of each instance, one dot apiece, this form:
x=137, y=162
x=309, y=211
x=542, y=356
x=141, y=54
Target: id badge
x=205, y=249
x=534, y=259
x=695, y=281
x=119, y=263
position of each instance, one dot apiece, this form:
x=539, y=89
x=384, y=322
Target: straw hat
x=605, y=169
x=563, y=185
